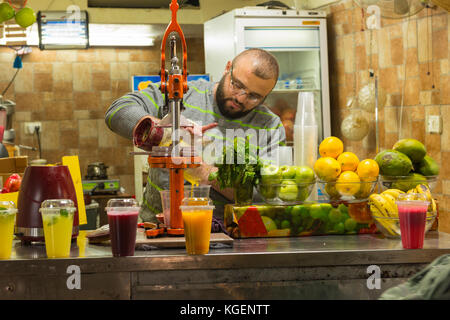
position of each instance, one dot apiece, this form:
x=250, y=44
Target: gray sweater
x=202, y=109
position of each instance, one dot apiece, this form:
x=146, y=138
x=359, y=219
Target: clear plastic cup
x=123, y=219
x=197, y=227
x=7, y=221
x=198, y=195
x=57, y=220
x=412, y=212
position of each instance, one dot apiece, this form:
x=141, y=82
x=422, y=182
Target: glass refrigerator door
x=302, y=58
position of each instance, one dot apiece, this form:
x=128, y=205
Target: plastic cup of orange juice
x=197, y=227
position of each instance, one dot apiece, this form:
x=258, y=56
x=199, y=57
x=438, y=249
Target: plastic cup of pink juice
x=123, y=219
x=412, y=212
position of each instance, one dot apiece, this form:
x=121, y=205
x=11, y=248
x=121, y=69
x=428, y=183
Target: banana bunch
x=383, y=205
x=423, y=188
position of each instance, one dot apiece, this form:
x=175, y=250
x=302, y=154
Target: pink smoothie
x=412, y=225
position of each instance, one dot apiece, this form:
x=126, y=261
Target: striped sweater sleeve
x=125, y=112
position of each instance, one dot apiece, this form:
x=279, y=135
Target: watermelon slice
x=251, y=224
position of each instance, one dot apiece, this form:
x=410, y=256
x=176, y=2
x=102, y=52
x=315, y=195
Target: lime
x=278, y=223
x=6, y=12
x=297, y=210
x=343, y=208
x=269, y=223
x=285, y=224
x=304, y=212
x=25, y=17
x=326, y=207
x=350, y=224
x=296, y=220
x=334, y=216
x=340, y=228
x=316, y=211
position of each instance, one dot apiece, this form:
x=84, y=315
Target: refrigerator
x=298, y=39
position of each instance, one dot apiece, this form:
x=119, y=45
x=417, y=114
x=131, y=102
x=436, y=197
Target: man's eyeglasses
x=239, y=89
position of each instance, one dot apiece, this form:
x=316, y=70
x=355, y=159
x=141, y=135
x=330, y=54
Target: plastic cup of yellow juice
x=197, y=227
x=7, y=222
x=57, y=220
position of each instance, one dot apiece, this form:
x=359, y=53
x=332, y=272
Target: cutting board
x=178, y=242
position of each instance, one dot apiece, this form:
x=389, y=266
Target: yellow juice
x=7, y=221
x=197, y=230
x=58, y=234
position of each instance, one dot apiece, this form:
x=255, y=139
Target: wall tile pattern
x=421, y=43
x=69, y=91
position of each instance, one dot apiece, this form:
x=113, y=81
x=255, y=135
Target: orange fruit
x=327, y=168
x=348, y=161
x=348, y=183
x=367, y=169
x=331, y=147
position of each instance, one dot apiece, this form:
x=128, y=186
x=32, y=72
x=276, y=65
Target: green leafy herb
x=64, y=213
x=2, y=208
x=244, y=168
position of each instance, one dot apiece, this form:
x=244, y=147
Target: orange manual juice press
x=175, y=158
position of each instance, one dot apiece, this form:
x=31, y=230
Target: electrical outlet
x=30, y=127
x=434, y=124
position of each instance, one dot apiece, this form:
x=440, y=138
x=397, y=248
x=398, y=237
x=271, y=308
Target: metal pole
x=377, y=140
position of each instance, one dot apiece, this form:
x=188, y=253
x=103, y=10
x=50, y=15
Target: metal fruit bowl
x=390, y=226
x=288, y=192
x=347, y=191
x=403, y=183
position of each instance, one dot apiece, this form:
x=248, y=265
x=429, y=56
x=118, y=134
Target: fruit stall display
x=308, y=219
x=351, y=204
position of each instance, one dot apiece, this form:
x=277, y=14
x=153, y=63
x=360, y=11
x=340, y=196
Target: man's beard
x=221, y=103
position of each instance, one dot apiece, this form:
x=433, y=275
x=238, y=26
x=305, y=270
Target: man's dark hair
x=267, y=68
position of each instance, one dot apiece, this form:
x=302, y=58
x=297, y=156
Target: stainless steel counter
x=323, y=267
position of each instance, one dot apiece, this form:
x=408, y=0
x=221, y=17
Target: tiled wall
x=424, y=41
x=69, y=92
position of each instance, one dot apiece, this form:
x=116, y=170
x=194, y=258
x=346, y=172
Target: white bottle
x=305, y=131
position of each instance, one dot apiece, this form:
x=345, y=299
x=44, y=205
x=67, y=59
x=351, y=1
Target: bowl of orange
x=342, y=176
x=347, y=190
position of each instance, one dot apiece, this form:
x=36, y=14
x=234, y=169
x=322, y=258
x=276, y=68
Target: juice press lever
x=149, y=135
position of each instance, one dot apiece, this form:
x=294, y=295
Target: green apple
x=270, y=174
x=303, y=193
x=288, y=172
x=6, y=12
x=288, y=190
x=25, y=17
x=304, y=174
x=270, y=180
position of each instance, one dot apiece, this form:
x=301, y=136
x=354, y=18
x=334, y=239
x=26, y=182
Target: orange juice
x=57, y=232
x=197, y=228
x=196, y=201
x=7, y=220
